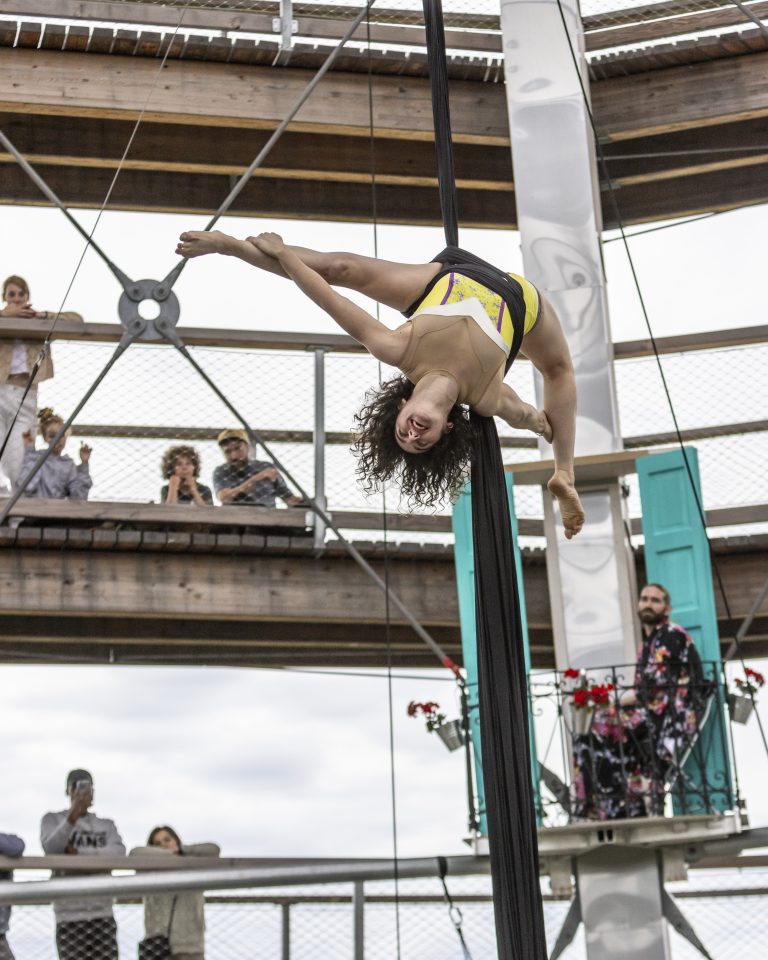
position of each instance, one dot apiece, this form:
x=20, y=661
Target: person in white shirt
x=85, y=929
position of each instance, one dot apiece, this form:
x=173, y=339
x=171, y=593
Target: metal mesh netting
x=153, y=399
x=726, y=908
x=608, y=24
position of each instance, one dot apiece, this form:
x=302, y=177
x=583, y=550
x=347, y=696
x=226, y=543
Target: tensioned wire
x=654, y=346
x=384, y=519
x=89, y=241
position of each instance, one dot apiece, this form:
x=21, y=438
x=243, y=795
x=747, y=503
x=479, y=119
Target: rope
x=385, y=521
x=657, y=355
x=502, y=681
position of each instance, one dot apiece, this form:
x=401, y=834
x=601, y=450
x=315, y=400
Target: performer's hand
x=269, y=243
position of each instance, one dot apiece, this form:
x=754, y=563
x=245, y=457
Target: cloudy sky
x=279, y=763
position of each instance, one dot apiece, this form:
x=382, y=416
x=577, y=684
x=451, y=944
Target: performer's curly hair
x=172, y=454
x=424, y=478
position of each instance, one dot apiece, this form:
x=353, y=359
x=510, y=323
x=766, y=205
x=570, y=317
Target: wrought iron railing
x=631, y=745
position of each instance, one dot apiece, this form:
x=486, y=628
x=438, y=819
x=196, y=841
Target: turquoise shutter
x=677, y=556
x=464, y=558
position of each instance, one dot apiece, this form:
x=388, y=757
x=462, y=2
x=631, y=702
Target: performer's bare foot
x=197, y=243
x=562, y=487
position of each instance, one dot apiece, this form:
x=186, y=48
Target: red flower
x=758, y=678
x=413, y=708
x=580, y=698
x=571, y=673
x=599, y=694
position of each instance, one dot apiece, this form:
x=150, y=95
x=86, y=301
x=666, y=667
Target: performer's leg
x=394, y=284
x=547, y=349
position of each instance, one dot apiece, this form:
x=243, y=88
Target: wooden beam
x=279, y=608
x=85, y=143
x=688, y=342
x=202, y=194
x=644, y=25
x=256, y=98
x=668, y=199
x=198, y=587
x=243, y=21
x=720, y=91
x=339, y=343
x=292, y=519
x=221, y=95
x=658, y=25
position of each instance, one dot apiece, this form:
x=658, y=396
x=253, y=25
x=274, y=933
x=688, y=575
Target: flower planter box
x=451, y=734
x=740, y=708
x=578, y=719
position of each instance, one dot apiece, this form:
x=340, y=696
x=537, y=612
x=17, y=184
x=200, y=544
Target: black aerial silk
x=502, y=681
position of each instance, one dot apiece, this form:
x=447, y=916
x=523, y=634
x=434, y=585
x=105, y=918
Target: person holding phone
x=85, y=929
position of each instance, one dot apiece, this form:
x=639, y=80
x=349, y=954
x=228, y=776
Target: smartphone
x=83, y=786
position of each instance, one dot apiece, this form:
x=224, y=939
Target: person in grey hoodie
x=10, y=846
x=179, y=917
x=85, y=929
x=59, y=477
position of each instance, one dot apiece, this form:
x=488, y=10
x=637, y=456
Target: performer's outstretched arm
x=380, y=341
x=547, y=349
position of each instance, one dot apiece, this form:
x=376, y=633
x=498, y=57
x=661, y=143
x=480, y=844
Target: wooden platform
x=137, y=592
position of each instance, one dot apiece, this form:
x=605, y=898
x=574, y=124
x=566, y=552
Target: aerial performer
x=452, y=353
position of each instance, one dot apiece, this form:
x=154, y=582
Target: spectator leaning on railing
x=245, y=482
x=181, y=468
x=85, y=929
x=176, y=918
x=59, y=476
x=10, y=846
x=17, y=358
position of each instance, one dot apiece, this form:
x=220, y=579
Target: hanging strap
x=502, y=681
x=455, y=259
x=441, y=118
x=454, y=912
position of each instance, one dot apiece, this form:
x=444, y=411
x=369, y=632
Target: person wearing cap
x=85, y=929
x=245, y=482
x=10, y=846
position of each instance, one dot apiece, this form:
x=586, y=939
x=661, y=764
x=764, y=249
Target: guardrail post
x=285, y=910
x=358, y=911
x=319, y=444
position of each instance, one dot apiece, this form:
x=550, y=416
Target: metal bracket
x=286, y=26
x=167, y=306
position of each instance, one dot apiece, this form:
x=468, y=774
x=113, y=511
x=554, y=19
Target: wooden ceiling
x=684, y=126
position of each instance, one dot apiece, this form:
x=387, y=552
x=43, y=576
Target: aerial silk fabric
x=502, y=682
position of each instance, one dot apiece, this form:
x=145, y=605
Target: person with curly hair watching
x=452, y=354
x=181, y=468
